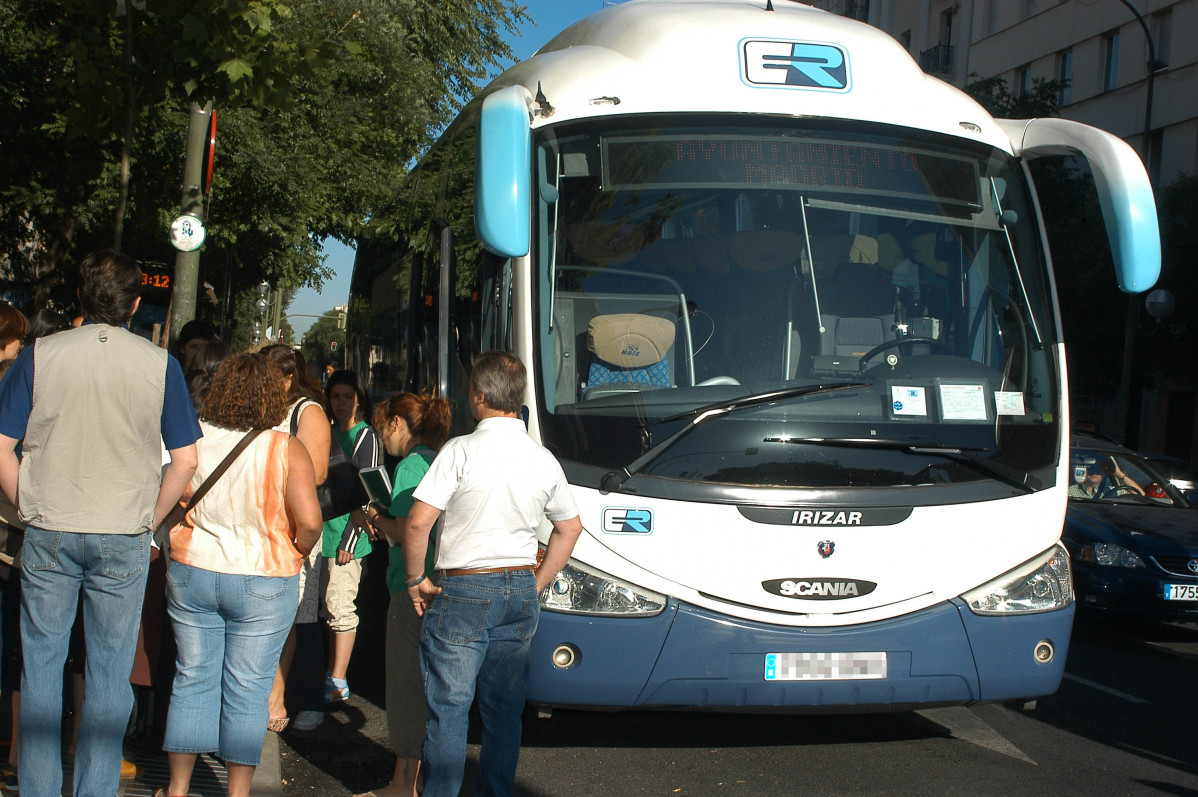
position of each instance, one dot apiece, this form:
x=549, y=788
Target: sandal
x=277, y=724
x=161, y=792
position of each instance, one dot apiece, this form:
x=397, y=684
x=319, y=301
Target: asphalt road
x=1122, y=723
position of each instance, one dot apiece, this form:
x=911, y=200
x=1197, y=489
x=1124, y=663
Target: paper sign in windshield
x=1008, y=402
x=963, y=402
x=908, y=400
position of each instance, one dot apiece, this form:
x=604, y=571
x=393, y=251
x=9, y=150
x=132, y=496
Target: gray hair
x=501, y=378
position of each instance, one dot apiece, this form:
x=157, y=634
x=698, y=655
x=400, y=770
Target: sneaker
x=335, y=692
x=308, y=720
x=8, y=779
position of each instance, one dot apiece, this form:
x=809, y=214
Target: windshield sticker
x=963, y=402
x=1008, y=402
x=800, y=65
x=908, y=400
x=621, y=520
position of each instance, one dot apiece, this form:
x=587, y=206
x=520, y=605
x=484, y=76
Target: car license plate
x=1181, y=592
x=825, y=666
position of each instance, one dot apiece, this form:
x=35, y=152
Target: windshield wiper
x=915, y=445
x=613, y=479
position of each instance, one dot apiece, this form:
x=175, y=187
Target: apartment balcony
x=937, y=60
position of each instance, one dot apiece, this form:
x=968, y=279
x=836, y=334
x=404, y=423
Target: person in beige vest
x=89, y=486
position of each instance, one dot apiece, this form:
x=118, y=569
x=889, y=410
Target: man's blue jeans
x=110, y=570
x=477, y=630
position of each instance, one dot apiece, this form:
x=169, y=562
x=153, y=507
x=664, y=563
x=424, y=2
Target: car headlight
x=1108, y=554
x=1041, y=585
x=578, y=589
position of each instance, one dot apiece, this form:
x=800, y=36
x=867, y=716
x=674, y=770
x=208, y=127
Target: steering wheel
x=890, y=344
x=1124, y=489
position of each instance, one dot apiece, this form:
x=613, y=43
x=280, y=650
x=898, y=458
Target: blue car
x=1132, y=536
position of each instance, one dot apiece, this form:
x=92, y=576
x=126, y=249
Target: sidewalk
x=209, y=779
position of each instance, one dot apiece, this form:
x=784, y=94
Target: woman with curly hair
x=233, y=580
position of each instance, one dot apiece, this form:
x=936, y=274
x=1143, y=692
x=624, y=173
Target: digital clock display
x=151, y=280
x=807, y=164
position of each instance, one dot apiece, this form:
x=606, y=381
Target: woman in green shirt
x=414, y=428
x=343, y=543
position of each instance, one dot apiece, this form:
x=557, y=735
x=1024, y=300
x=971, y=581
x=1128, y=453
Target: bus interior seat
x=629, y=352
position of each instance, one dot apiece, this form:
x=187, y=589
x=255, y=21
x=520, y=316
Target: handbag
x=342, y=491
x=162, y=535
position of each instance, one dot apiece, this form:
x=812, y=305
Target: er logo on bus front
x=620, y=520
x=808, y=65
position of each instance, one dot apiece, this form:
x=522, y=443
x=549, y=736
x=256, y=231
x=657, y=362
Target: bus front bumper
x=689, y=657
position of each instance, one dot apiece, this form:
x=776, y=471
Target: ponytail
x=428, y=418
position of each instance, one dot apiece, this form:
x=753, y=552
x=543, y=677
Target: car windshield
x=686, y=262
x=1101, y=475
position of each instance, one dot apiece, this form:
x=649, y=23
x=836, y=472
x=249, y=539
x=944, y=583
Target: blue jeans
x=110, y=570
x=229, y=630
x=477, y=631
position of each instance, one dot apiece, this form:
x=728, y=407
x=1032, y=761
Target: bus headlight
x=1041, y=585
x=578, y=589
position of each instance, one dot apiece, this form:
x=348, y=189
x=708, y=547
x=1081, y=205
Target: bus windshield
x=686, y=263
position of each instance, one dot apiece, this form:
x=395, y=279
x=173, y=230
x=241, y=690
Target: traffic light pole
x=187, y=264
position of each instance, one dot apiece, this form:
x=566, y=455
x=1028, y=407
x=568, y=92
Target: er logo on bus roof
x=807, y=65
x=619, y=520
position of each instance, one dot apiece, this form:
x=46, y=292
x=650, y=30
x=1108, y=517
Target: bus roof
x=734, y=56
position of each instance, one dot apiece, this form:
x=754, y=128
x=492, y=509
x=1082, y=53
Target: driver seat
x=629, y=352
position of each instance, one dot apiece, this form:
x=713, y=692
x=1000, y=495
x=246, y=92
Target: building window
x=905, y=40
x=946, y=27
x=1064, y=76
x=1110, y=61
x=992, y=17
x=1023, y=80
x=1029, y=8
x=1162, y=35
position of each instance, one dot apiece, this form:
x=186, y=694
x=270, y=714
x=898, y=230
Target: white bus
x=788, y=312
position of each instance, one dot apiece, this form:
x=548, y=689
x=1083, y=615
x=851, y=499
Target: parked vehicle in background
x=1181, y=474
x=1134, y=542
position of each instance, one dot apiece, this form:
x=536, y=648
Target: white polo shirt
x=494, y=486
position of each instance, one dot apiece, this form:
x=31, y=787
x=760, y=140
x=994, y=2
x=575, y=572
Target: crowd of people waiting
x=204, y=483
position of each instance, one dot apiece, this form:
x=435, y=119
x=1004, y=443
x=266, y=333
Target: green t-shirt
x=408, y=474
x=335, y=528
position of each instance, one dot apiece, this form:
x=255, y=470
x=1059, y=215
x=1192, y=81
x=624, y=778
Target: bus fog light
x=1043, y=584
x=566, y=656
x=1044, y=651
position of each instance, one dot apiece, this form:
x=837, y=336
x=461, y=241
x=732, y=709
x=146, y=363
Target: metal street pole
x=1133, y=305
x=187, y=264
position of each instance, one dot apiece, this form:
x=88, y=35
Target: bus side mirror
x=503, y=172
x=1124, y=192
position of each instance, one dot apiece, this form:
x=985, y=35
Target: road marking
x=963, y=724
x=1107, y=689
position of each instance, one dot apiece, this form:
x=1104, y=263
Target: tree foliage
x=322, y=105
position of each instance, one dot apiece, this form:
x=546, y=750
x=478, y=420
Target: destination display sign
x=719, y=161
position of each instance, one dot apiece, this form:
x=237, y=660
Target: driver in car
x=1093, y=480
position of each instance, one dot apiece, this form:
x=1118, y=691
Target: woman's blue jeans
x=477, y=631
x=229, y=630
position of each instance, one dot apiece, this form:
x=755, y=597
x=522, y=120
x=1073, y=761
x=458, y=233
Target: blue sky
x=549, y=16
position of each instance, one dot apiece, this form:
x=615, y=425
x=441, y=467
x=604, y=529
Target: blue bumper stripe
x=692, y=657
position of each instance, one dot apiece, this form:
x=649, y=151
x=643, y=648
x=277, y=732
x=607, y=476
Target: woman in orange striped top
x=232, y=585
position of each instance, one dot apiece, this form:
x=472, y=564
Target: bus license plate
x=1181, y=592
x=824, y=666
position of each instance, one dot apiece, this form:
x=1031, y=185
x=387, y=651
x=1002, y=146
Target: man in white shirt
x=493, y=486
